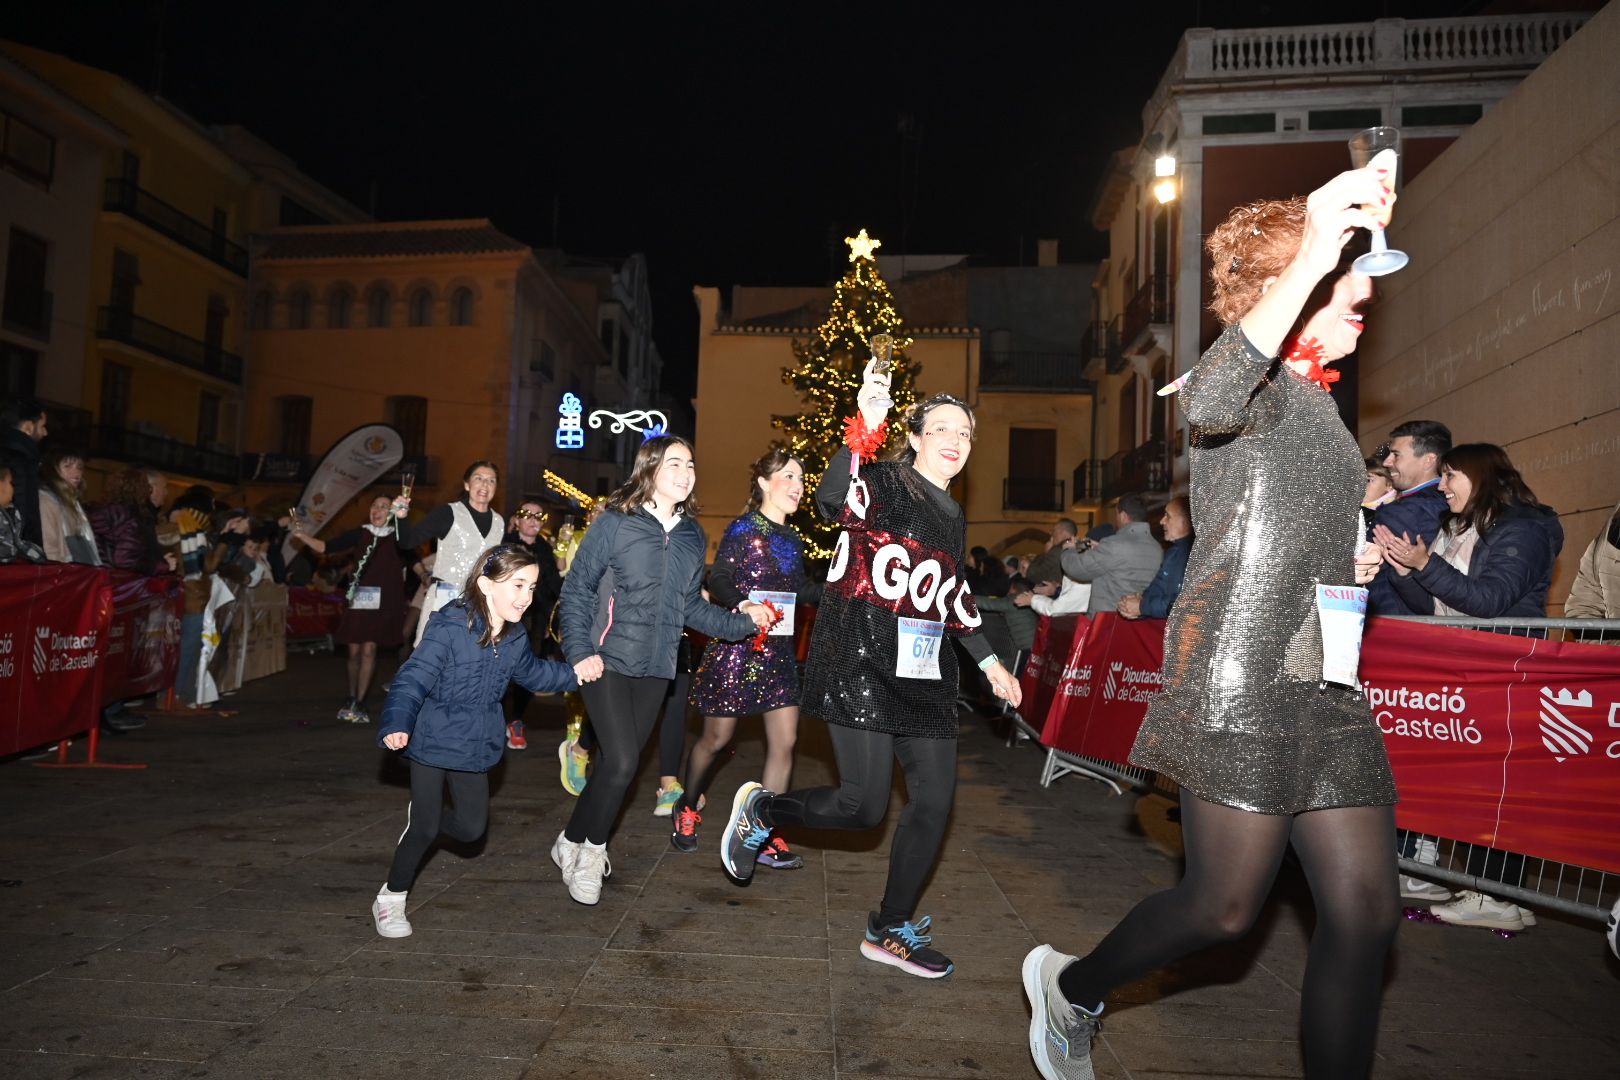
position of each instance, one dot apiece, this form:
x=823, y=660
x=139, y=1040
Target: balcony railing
x=1150, y=305
x=1087, y=481
x=28, y=311
x=1114, y=348
x=1142, y=469
x=116, y=324
x=155, y=451
x=1022, y=493
x=126, y=197
x=1049, y=371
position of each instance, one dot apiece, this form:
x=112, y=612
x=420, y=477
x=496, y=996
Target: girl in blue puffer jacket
x=444, y=712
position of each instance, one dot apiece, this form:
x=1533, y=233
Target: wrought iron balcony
x=155, y=451
x=1150, y=305
x=1023, y=493
x=1042, y=371
x=1087, y=481
x=1142, y=469
x=125, y=197
x=116, y=324
x=1114, y=348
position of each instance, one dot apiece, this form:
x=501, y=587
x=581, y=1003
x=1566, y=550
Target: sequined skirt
x=735, y=680
x=850, y=677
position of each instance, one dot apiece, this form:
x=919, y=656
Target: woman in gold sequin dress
x=1266, y=754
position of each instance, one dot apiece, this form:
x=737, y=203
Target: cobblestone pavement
x=208, y=917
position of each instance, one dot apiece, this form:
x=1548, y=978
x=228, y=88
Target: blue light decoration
x=570, y=435
x=649, y=422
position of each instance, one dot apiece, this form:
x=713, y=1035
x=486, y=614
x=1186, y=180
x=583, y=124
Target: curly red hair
x=1255, y=242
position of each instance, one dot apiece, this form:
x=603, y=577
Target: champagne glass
x=407, y=477
x=883, y=353
x=1380, y=146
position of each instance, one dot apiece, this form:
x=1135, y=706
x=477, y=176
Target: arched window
x=263, y=305
x=421, y=308
x=461, y=307
x=299, y=306
x=339, y=305
x=379, y=305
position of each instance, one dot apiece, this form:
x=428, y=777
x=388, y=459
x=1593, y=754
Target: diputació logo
x=1562, y=736
x=42, y=641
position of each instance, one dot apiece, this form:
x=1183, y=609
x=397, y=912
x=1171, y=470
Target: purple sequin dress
x=755, y=555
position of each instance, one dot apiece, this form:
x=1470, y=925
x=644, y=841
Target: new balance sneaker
x=591, y=865
x=573, y=769
x=515, y=739
x=346, y=713
x=664, y=805
x=745, y=832
x=1426, y=892
x=683, y=837
x=778, y=856
x=564, y=852
x=358, y=715
x=905, y=946
x=1476, y=909
x=1060, y=1034
x=388, y=912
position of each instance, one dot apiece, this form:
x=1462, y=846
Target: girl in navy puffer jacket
x=444, y=712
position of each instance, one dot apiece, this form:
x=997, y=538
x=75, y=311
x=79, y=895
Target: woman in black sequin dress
x=1266, y=753
x=880, y=672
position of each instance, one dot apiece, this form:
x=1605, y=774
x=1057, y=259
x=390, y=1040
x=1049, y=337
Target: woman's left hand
x=763, y=619
x=1402, y=550
x=1005, y=686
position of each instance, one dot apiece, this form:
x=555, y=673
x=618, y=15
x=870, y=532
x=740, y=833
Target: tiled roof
x=384, y=240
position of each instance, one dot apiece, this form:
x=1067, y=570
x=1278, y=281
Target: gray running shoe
x=745, y=833
x=1060, y=1034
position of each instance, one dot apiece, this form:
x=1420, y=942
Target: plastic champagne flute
x=1380, y=147
x=883, y=353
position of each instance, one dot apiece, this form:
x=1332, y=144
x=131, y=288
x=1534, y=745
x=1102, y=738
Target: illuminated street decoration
x=648, y=422
x=568, y=491
x=570, y=436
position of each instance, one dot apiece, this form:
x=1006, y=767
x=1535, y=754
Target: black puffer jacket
x=1508, y=574
x=631, y=589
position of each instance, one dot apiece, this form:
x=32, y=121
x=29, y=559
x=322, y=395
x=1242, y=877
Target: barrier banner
x=1502, y=741
x=1054, y=640
x=142, y=653
x=312, y=614
x=53, y=622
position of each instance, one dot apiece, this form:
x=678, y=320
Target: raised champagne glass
x=407, y=478
x=1380, y=147
x=883, y=353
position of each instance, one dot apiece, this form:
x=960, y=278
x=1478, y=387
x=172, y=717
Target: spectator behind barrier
x=1413, y=461
x=1021, y=621
x=1161, y=595
x=63, y=525
x=22, y=427
x=1118, y=565
x=14, y=547
x=125, y=530
x=1048, y=565
x=1596, y=591
x=1380, y=490
x=1495, y=551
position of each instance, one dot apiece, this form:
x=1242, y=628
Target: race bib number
x=917, y=650
x=783, y=600
x=1343, y=611
x=367, y=598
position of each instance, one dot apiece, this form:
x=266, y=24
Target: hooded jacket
x=1596, y=591
x=1508, y=574
x=447, y=696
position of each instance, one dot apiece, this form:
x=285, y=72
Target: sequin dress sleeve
x=1243, y=718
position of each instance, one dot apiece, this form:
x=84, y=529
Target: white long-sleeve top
x=1072, y=599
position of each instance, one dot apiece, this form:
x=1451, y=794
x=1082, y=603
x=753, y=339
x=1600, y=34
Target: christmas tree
x=829, y=372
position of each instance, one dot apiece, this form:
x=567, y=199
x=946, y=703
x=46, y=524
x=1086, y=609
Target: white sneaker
x=563, y=853
x=388, y=912
x=1427, y=891
x=591, y=865
x=1527, y=916
x=1476, y=909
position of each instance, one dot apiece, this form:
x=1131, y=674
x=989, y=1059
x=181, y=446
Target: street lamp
x=1164, y=167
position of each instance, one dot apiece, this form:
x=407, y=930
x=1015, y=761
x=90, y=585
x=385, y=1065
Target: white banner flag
x=357, y=459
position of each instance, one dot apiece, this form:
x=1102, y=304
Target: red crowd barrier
x=312, y=614
x=1506, y=742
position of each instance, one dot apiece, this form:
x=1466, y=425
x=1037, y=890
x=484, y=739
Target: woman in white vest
x=464, y=530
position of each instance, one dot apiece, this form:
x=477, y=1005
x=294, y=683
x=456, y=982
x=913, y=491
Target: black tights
x=1348, y=855
x=671, y=729
x=425, y=818
x=861, y=799
x=622, y=710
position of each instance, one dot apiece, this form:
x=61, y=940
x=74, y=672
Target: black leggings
x=623, y=710
x=861, y=799
x=1232, y=858
x=671, y=729
x=425, y=818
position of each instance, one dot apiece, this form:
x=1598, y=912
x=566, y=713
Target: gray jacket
x=1124, y=563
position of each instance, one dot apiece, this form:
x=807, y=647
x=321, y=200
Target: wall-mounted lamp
x=1165, y=190
x=1164, y=167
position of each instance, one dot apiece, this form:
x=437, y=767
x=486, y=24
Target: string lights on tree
x=828, y=376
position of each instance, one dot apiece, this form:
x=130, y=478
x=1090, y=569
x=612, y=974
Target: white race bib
x=783, y=600
x=917, y=649
x=1343, y=611
x=367, y=598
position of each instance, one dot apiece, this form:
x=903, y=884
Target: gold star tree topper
x=862, y=246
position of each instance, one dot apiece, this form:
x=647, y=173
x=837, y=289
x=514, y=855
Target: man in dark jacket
x=22, y=426
x=1415, y=450
x=1160, y=596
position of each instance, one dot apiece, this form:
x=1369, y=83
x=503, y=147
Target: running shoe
x=1427, y=892
x=776, y=855
x=515, y=739
x=574, y=774
x=905, y=946
x=1476, y=909
x=346, y=713
x=591, y=865
x=564, y=852
x=388, y=913
x=683, y=837
x=358, y=715
x=745, y=833
x=1060, y=1034
x=664, y=805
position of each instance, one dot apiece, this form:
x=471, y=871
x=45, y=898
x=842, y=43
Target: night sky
x=730, y=142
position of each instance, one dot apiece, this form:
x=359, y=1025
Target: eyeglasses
x=536, y=514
